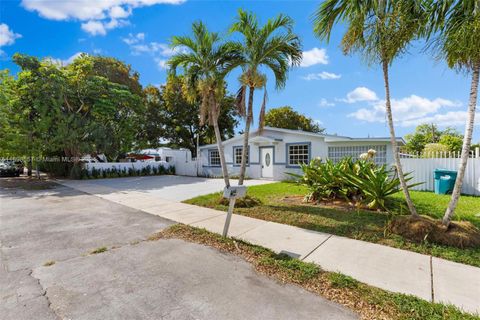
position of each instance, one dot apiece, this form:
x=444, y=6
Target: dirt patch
x=459, y=234
x=26, y=183
x=339, y=204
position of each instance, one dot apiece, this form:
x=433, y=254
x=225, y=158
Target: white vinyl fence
x=422, y=168
x=186, y=167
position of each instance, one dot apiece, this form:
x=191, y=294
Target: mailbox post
x=232, y=193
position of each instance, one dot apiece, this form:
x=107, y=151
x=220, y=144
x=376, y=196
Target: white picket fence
x=422, y=167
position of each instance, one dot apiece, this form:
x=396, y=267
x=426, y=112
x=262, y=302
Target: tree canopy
x=430, y=133
x=92, y=105
x=287, y=118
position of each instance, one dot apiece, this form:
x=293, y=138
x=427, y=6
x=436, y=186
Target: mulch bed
x=340, y=204
x=461, y=234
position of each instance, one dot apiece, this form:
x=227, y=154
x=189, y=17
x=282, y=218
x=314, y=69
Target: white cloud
x=325, y=103
x=7, y=36
x=97, y=16
x=322, y=76
x=94, y=28
x=314, y=56
x=413, y=110
x=134, y=38
x=360, y=94
x=97, y=27
x=452, y=118
x=161, y=63
x=159, y=51
x=119, y=12
x=67, y=61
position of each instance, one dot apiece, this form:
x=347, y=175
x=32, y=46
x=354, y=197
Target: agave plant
x=376, y=184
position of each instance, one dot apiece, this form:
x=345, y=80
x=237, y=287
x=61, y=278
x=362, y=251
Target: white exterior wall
x=318, y=148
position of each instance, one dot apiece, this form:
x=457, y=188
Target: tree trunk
x=243, y=165
x=467, y=140
x=393, y=141
x=30, y=161
x=218, y=137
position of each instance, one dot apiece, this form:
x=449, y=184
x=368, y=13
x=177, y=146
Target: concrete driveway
x=174, y=188
x=134, y=279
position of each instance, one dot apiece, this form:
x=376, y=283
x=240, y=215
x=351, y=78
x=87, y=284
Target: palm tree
x=455, y=27
x=380, y=31
x=273, y=46
x=206, y=61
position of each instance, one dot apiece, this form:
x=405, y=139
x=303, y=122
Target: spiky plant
x=380, y=31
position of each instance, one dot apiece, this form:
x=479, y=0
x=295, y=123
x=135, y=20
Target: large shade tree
x=206, y=61
x=173, y=117
x=68, y=111
x=273, y=47
x=287, y=118
x=380, y=31
x=454, y=26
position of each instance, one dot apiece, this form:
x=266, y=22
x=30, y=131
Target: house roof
x=327, y=137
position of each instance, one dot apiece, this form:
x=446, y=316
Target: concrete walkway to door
x=392, y=269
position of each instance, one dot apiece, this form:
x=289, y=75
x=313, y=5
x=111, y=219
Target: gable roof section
x=328, y=137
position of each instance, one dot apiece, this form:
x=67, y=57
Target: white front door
x=266, y=160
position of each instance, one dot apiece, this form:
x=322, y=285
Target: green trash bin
x=444, y=180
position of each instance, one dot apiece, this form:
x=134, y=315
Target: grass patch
x=363, y=225
x=49, y=263
x=99, y=250
x=367, y=301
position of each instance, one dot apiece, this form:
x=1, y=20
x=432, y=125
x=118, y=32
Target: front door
x=266, y=159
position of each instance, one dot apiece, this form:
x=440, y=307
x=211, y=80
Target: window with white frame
x=298, y=154
x=213, y=158
x=237, y=155
x=337, y=153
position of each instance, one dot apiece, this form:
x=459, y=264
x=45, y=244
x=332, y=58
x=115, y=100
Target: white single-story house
x=275, y=152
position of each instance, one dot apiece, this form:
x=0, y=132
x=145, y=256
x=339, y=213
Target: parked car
x=11, y=168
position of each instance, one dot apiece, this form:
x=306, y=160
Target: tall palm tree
x=272, y=46
x=206, y=61
x=455, y=28
x=380, y=30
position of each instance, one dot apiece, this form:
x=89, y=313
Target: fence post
x=477, y=152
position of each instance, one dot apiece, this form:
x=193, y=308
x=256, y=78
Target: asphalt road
x=134, y=279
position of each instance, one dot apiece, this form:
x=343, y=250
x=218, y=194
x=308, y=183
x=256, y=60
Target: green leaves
x=287, y=118
x=360, y=181
x=90, y=106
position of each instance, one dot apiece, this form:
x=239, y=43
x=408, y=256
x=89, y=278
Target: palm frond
x=240, y=101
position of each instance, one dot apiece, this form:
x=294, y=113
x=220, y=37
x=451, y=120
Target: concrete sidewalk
x=392, y=269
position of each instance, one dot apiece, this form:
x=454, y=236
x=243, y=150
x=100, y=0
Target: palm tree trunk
x=248, y=121
x=218, y=137
x=467, y=140
x=393, y=141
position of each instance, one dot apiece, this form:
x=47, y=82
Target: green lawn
x=358, y=224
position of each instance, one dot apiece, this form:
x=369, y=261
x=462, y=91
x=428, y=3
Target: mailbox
x=234, y=192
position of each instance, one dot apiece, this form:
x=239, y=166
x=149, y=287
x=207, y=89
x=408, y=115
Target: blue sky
x=339, y=91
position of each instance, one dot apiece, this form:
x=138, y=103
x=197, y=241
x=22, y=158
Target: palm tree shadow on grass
x=357, y=224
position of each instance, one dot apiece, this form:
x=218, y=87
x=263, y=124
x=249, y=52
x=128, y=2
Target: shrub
x=360, y=181
x=326, y=180
x=376, y=184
